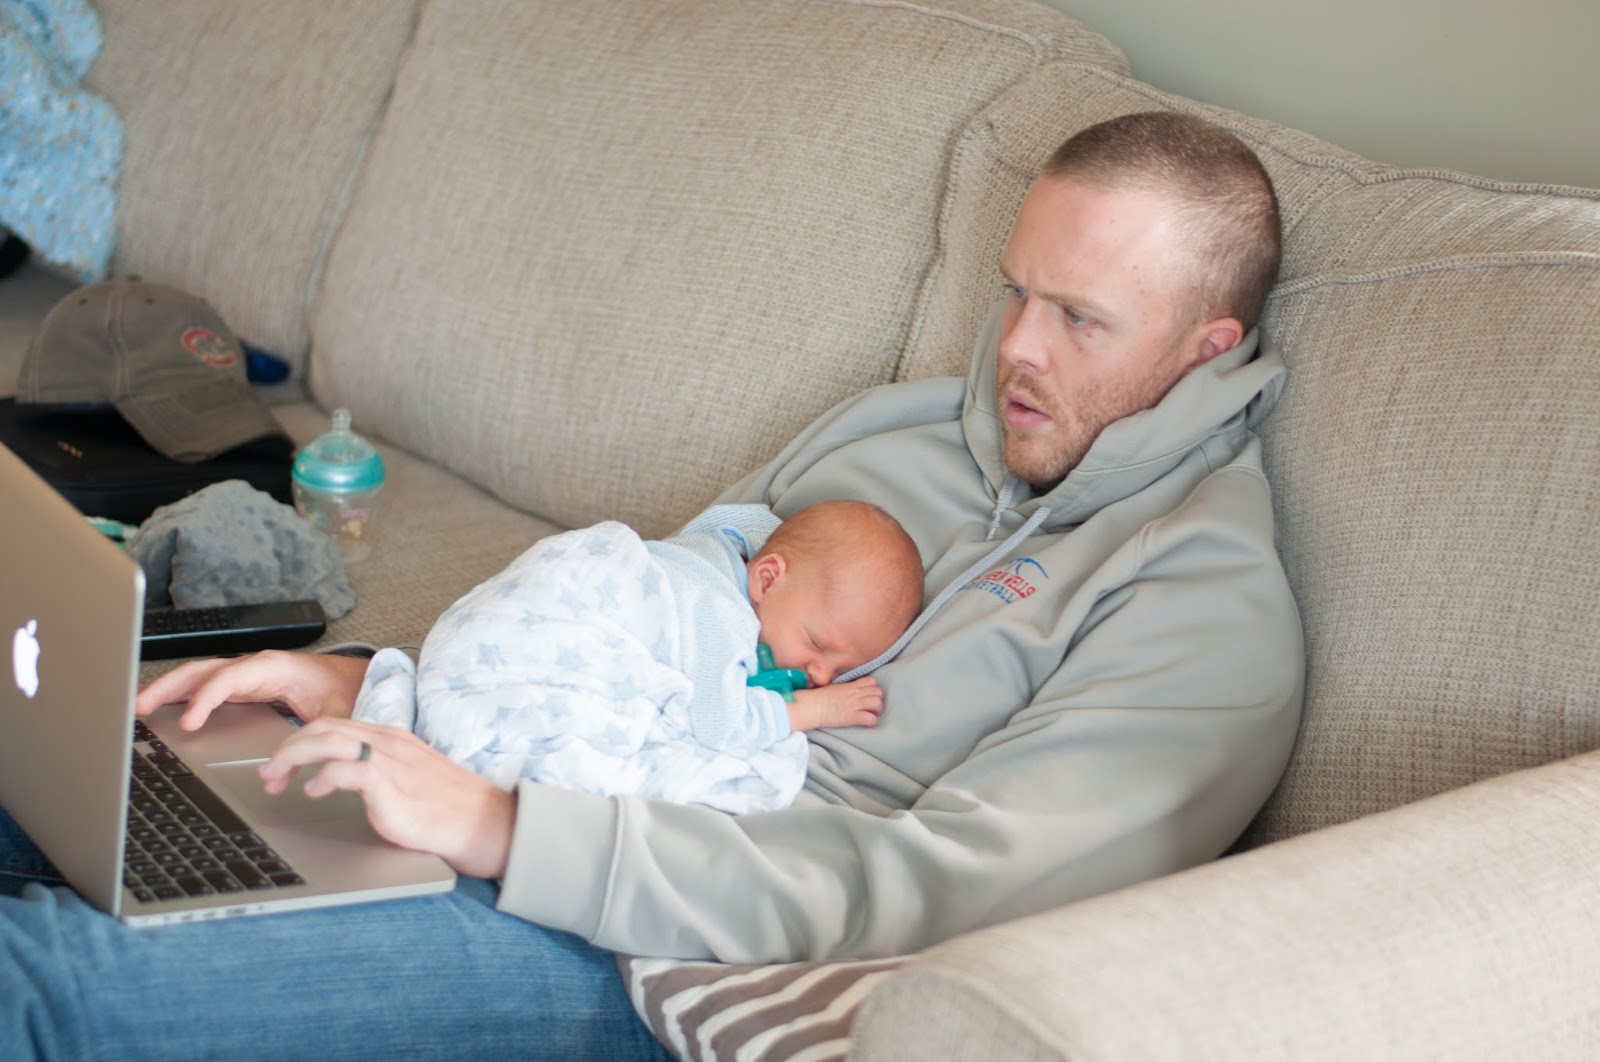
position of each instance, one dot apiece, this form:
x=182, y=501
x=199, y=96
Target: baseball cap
x=165, y=359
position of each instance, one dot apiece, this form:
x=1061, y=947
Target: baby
x=603, y=662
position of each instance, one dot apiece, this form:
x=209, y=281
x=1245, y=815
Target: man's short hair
x=1227, y=210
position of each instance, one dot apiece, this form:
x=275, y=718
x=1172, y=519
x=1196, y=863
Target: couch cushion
x=245, y=123
x=606, y=258
x=1433, y=458
x=706, y=1011
x=1460, y=927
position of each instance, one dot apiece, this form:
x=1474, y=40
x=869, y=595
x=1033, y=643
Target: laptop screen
x=71, y=604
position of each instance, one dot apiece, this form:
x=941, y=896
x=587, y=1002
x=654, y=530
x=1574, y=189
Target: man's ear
x=765, y=571
x=1214, y=337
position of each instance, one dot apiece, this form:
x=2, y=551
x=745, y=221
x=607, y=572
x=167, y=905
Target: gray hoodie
x=1104, y=687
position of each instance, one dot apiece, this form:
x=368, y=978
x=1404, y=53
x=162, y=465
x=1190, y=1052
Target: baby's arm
x=857, y=703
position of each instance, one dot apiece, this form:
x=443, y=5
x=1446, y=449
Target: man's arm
x=415, y=796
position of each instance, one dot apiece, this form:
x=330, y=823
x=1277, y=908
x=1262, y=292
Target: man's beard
x=1043, y=457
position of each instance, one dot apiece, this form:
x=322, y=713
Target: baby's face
x=823, y=631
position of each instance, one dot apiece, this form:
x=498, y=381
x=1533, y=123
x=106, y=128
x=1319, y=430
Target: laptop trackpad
x=240, y=785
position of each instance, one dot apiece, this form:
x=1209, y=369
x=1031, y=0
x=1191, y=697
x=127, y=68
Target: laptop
x=151, y=824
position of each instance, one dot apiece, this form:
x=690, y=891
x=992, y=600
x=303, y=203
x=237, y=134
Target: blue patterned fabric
x=584, y=664
x=60, y=144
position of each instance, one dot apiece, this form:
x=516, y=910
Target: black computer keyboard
x=183, y=840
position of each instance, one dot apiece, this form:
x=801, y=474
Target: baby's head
x=834, y=586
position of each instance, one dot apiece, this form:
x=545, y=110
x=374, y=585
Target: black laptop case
x=103, y=467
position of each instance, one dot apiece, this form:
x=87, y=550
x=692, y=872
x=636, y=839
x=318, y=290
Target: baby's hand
x=857, y=703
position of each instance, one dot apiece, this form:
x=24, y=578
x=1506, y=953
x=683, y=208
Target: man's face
x=1092, y=329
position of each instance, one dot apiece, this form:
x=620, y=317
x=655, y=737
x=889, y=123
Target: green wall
x=1499, y=89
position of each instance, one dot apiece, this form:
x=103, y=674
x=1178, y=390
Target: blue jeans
x=441, y=977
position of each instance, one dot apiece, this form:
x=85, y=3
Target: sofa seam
x=345, y=198
x=1035, y=46
x=1582, y=260
x=1043, y=46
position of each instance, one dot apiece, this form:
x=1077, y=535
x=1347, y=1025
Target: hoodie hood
x=1212, y=409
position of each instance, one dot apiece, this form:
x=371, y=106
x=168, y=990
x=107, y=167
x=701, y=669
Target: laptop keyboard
x=183, y=840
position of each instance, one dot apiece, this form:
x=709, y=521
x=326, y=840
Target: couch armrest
x=1462, y=926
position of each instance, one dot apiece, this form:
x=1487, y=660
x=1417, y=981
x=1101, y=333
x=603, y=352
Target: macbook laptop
x=149, y=823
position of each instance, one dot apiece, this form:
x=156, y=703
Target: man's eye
x=1073, y=316
x=1014, y=292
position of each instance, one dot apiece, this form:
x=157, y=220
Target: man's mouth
x=1021, y=412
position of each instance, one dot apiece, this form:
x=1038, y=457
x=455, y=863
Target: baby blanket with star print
x=604, y=663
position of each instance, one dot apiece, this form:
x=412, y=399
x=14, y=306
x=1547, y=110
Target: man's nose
x=1022, y=337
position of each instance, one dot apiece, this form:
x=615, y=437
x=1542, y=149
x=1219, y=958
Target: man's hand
x=313, y=685
x=416, y=797
x=857, y=703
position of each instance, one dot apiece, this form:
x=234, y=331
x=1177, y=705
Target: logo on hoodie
x=1016, y=580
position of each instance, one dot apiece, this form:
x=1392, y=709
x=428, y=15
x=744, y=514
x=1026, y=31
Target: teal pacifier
x=780, y=680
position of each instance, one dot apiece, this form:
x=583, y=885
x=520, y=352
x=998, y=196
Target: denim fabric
x=439, y=977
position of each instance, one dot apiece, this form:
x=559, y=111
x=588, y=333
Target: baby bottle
x=336, y=481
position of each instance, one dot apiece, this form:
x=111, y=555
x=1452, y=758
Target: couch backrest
x=245, y=124
x=605, y=258
x=1435, y=459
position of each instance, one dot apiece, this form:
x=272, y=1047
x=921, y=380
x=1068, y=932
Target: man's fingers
x=204, y=684
x=317, y=742
x=355, y=776
x=176, y=685
x=415, y=796
x=333, y=741
x=311, y=684
x=235, y=679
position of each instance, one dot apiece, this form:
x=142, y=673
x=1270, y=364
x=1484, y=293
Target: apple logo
x=25, y=658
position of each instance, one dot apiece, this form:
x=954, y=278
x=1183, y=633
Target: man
x=1104, y=686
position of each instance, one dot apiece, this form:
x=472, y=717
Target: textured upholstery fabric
x=1377, y=939
x=1435, y=460
x=693, y=226
x=245, y=123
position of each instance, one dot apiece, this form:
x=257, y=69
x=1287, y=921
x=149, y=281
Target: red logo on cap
x=209, y=348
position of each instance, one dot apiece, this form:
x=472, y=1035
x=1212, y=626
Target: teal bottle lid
x=339, y=462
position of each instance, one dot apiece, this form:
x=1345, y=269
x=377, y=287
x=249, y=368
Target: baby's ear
x=765, y=571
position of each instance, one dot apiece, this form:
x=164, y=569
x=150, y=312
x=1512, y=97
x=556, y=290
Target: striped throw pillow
x=717, y=1012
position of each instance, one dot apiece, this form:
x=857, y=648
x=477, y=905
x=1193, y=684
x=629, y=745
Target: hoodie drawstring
x=1040, y=515
x=1001, y=504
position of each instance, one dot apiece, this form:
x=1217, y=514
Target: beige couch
x=571, y=261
